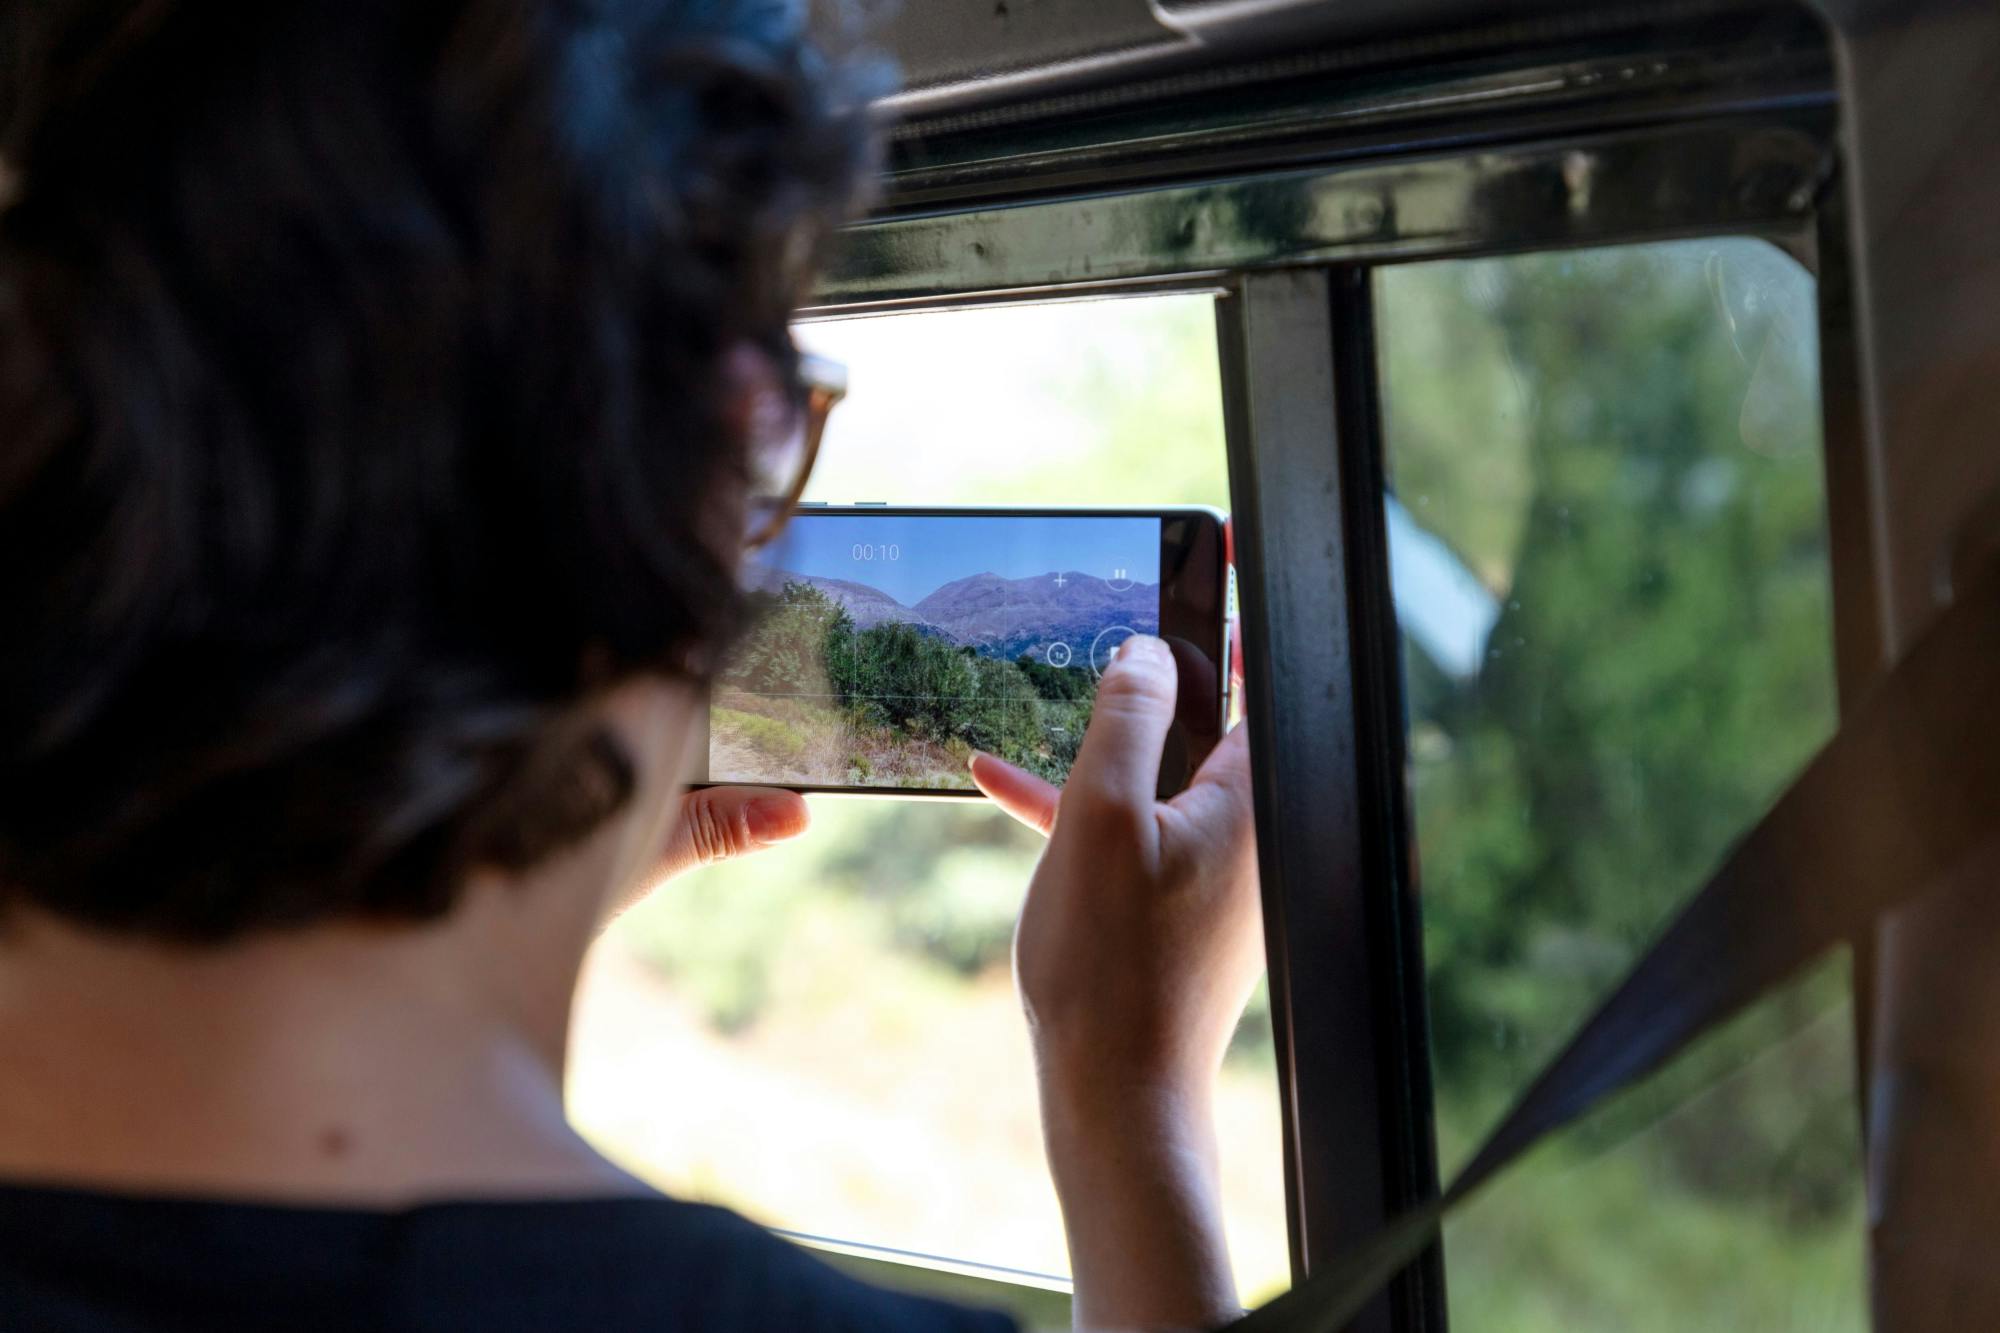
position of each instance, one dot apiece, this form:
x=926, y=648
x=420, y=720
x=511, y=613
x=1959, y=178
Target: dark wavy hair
x=362, y=414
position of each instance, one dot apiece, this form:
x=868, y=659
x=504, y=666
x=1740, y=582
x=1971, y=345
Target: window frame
x=1291, y=253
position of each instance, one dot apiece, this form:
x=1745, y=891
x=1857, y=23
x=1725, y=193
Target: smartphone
x=886, y=645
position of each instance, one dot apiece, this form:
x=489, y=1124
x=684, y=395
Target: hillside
x=999, y=617
x=869, y=606
x=1006, y=617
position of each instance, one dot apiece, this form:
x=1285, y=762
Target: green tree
x=1662, y=662
x=800, y=642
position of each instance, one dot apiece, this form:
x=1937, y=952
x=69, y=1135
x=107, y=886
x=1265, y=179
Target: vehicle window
x=825, y=1036
x=1609, y=552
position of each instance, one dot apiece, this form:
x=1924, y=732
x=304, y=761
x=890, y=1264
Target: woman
x=387, y=390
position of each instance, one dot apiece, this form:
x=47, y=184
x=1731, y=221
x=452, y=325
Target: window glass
x=1609, y=553
x=825, y=1036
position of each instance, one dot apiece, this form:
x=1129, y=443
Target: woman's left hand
x=717, y=824
x=722, y=823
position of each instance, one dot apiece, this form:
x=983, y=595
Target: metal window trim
x=1750, y=175
x=1410, y=1160
x=1302, y=409
x=983, y=65
x=1921, y=117
x=1318, y=105
x=1040, y=1302
x=1859, y=634
x=1275, y=337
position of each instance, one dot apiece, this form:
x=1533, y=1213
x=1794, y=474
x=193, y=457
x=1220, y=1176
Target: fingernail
x=772, y=821
x=972, y=760
x=1141, y=649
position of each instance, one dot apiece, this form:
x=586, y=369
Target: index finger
x=1017, y=791
x=1119, y=761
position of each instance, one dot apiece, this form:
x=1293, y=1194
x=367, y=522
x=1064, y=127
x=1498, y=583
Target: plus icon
x=1061, y=582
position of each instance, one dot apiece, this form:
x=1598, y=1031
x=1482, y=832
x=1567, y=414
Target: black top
x=76, y=1262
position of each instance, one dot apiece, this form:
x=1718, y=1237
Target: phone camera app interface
x=884, y=650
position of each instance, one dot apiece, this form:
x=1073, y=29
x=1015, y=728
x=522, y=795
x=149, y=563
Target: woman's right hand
x=1136, y=950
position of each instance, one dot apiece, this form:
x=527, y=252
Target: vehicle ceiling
x=965, y=55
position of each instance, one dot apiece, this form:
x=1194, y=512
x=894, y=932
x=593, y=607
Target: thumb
x=1219, y=799
x=719, y=823
x=1119, y=761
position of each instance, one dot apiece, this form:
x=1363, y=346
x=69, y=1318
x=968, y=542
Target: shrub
x=899, y=682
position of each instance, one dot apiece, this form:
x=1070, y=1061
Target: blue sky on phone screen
x=909, y=557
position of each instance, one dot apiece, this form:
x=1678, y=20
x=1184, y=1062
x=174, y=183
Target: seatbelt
x=1905, y=796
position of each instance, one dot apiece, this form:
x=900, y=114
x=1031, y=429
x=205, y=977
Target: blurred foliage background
x=1623, y=446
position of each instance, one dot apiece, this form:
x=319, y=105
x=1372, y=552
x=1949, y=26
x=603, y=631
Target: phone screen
x=885, y=647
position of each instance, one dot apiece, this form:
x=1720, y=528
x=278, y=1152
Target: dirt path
x=733, y=760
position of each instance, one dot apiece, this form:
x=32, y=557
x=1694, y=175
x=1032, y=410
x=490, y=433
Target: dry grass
x=767, y=738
